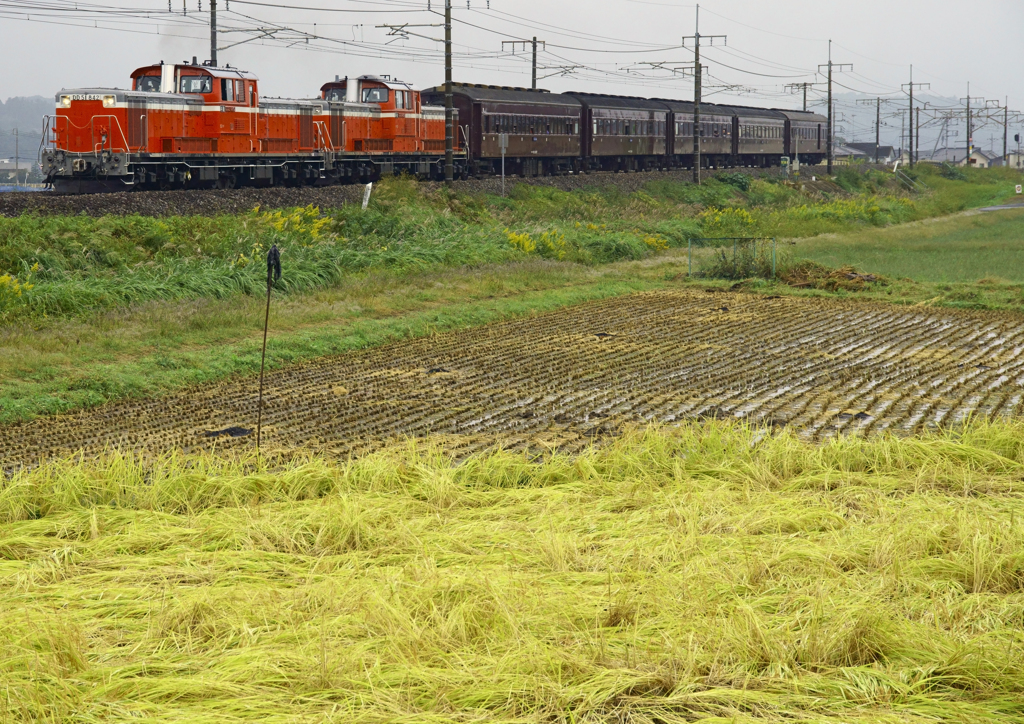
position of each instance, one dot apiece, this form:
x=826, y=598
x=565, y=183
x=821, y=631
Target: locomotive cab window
x=375, y=95
x=336, y=94
x=148, y=84
x=196, y=84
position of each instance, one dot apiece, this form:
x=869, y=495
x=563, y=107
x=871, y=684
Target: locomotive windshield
x=375, y=95
x=337, y=94
x=148, y=84
x=196, y=84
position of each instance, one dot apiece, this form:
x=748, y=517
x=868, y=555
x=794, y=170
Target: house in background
x=955, y=156
x=1014, y=159
x=8, y=168
x=886, y=154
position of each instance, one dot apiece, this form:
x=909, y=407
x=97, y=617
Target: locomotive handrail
x=322, y=132
x=144, y=120
x=92, y=130
x=42, y=140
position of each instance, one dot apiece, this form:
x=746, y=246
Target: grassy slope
x=699, y=573
x=966, y=248
x=61, y=364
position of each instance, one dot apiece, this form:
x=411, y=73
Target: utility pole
x=836, y=67
x=878, y=127
x=17, y=159
x=213, y=33
x=795, y=87
x=449, y=135
x=1006, y=131
x=970, y=131
x=911, y=87
x=698, y=76
x=534, y=43
x=918, y=132
x=877, y=103
x=534, y=86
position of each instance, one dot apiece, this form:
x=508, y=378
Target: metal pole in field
x=17, y=159
x=273, y=274
x=213, y=33
x=449, y=131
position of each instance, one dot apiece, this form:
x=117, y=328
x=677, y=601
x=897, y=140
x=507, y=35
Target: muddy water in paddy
x=577, y=375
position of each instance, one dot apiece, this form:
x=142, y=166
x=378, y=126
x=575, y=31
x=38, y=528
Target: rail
x=908, y=181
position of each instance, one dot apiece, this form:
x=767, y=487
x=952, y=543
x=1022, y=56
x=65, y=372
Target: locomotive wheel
x=227, y=181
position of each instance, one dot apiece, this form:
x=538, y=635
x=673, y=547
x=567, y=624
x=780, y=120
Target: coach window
x=240, y=91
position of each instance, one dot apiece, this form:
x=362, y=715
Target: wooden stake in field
x=273, y=275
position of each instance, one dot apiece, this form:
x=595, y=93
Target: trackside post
x=273, y=275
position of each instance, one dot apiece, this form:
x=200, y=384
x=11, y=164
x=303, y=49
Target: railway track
x=238, y=201
x=575, y=376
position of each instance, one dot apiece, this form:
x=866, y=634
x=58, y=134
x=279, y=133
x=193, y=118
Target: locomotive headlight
x=109, y=101
x=65, y=101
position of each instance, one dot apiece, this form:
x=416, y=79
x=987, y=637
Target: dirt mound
x=812, y=275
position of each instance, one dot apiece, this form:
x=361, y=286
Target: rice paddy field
x=554, y=480
x=576, y=376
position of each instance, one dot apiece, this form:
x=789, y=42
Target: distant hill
x=25, y=114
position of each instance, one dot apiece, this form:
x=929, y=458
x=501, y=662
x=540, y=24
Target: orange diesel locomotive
x=198, y=126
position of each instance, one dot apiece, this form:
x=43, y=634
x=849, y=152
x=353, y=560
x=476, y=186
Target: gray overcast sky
x=950, y=42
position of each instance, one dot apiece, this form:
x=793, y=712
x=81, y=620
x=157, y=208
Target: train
x=193, y=125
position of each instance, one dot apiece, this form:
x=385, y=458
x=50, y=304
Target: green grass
x=75, y=266
x=704, y=573
x=962, y=249
x=164, y=347
x=138, y=307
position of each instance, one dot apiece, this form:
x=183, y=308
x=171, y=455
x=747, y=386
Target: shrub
x=741, y=181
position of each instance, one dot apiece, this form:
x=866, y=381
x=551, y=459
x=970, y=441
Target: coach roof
x=507, y=94
x=597, y=100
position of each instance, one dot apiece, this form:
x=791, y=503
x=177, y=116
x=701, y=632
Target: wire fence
x=738, y=257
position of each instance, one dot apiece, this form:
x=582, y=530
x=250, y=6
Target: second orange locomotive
x=197, y=126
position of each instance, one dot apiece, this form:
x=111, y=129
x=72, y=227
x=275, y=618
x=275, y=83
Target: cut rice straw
x=698, y=573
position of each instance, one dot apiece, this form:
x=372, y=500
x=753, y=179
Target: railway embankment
x=212, y=202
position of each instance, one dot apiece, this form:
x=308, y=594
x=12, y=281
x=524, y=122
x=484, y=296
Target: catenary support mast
x=213, y=33
x=449, y=129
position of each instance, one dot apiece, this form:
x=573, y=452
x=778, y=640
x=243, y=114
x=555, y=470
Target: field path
x=568, y=377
